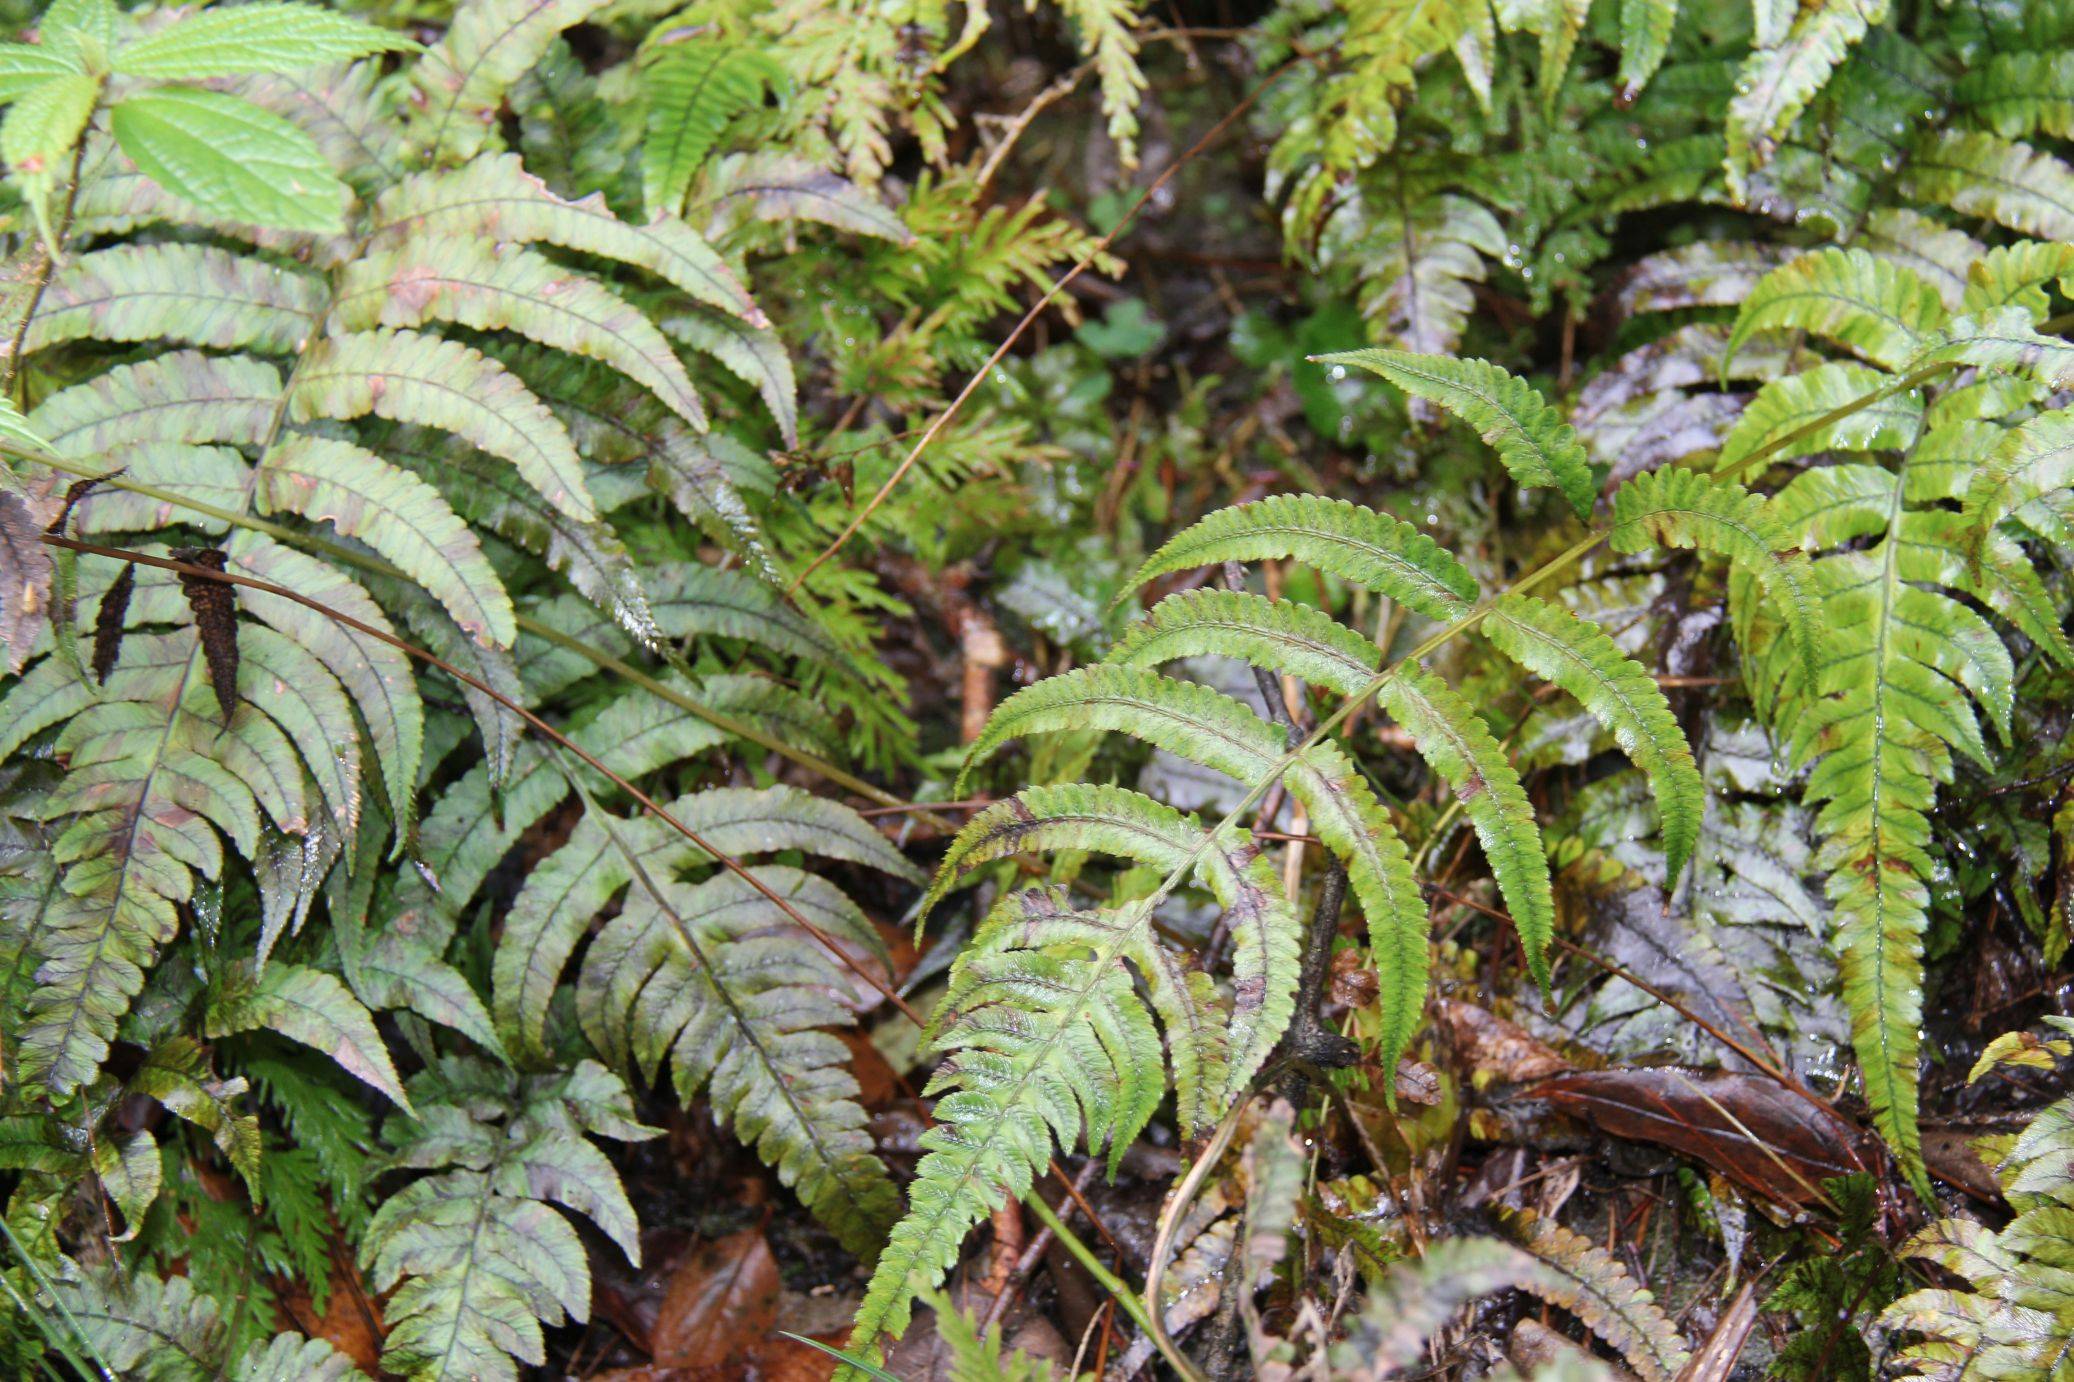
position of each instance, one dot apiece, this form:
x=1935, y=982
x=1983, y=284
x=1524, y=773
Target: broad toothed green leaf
x=252, y=38
x=229, y=158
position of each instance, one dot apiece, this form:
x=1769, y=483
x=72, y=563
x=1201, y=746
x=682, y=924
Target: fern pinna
x=1048, y=1041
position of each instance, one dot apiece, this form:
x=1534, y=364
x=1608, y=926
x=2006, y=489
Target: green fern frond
x=1277, y=635
x=1454, y=740
x=2020, y=94
x=460, y=83
x=183, y=396
x=407, y=377
x=1418, y=254
x=193, y=294
x=1787, y=405
x=140, y=1325
x=1535, y=445
x=2009, y=1318
x=398, y=515
x=1210, y=728
x=1780, y=78
x=305, y=1005
x=1683, y=508
x=715, y=979
x=2015, y=275
x=977, y=1350
x=1645, y=40
x=694, y=89
x=2002, y=340
x=1050, y=1044
x=2027, y=190
x=1905, y=671
x=1214, y=1055
x=494, y=196
x=2033, y=460
x=1415, y=1299
x=1107, y=31
x=511, y=290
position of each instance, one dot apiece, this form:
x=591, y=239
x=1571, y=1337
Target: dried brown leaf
x=1766, y=1138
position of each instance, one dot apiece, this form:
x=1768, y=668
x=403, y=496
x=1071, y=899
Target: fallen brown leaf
x=1764, y=1137
x=722, y=1303
x=352, y=1319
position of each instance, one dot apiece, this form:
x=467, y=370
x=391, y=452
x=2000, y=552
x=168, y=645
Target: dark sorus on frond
x=215, y=621
x=108, y=622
